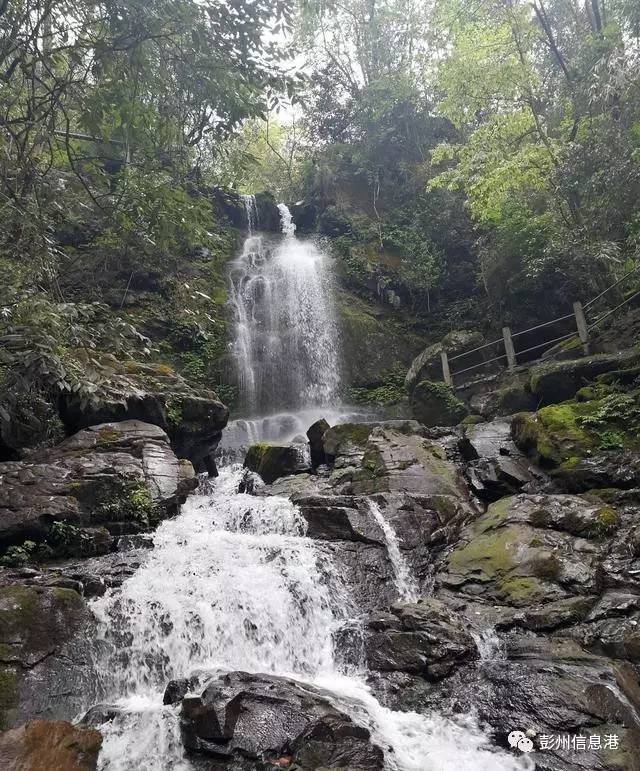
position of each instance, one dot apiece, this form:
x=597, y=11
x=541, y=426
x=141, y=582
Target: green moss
x=487, y=556
x=473, y=420
x=608, y=519
x=8, y=694
x=108, y=435
x=519, y=590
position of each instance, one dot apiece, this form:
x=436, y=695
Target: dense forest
x=320, y=385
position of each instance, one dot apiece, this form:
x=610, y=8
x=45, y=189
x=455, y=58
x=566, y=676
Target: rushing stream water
x=233, y=583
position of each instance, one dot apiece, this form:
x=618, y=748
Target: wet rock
x=265, y=718
x=550, y=687
x=176, y=690
x=338, y=518
x=271, y=461
x=102, y=477
x=314, y=435
x=509, y=395
x=425, y=638
x=436, y=404
x=553, y=382
x=495, y=466
x=46, y=744
x=45, y=645
x=532, y=549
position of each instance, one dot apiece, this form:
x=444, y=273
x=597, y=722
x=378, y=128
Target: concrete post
x=581, y=324
x=508, y=347
x=446, y=372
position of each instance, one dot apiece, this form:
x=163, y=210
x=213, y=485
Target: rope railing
x=581, y=334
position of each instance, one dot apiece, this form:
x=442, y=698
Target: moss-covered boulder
x=436, y=404
x=587, y=443
x=45, y=658
x=557, y=381
x=272, y=461
x=532, y=549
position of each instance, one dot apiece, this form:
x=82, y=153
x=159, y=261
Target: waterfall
x=251, y=210
x=284, y=332
x=234, y=583
x=405, y=584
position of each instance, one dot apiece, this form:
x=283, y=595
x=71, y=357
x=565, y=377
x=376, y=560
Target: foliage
x=390, y=390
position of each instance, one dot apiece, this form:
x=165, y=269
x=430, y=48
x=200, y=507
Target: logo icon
x=519, y=740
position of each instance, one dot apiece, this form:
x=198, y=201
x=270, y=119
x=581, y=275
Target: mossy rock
x=271, y=461
x=554, y=382
x=435, y=404
x=35, y=622
x=523, y=551
x=346, y=439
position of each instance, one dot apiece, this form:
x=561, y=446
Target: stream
x=233, y=584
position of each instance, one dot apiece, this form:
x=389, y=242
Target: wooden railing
x=510, y=353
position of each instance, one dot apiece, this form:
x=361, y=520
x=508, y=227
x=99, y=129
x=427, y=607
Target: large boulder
x=586, y=443
x=155, y=394
x=390, y=456
x=532, y=549
x=557, y=381
x=436, y=404
x=45, y=745
x=45, y=653
x=271, y=461
x=425, y=638
x=118, y=476
x=273, y=720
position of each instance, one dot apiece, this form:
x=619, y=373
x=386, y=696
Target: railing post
x=508, y=347
x=446, y=372
x=581, y=323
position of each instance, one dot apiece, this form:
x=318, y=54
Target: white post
x=581, y=324
x=508, y=347
x=446, y=372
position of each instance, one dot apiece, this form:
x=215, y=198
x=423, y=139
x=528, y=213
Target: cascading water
x=405, y=583
x=285, y=332
x=233, y=583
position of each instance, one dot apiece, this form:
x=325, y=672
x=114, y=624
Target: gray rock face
x=115, y=475
x=45, y=663
x=424, y=638
x=495, y=467
x=436, y=404
x=240, y=716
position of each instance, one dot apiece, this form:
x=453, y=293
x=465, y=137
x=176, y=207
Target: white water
x=285, y=335
x=233, y=583
x=489, y=645
x=405, y=583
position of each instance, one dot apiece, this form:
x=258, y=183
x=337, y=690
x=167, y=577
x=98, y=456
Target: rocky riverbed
x=490, y=570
